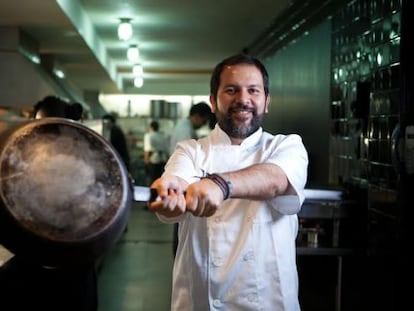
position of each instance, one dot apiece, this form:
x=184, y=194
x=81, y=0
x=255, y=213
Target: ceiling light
x=32, y=56
x=138, y=70
x=59, y=73
x=138, y=82
x=35, y=59
x=125, y=29
x=133, y=53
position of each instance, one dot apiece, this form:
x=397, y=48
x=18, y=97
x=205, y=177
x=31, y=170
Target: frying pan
x=65, y=193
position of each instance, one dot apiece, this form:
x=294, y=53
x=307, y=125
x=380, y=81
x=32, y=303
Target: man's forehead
x=248, y=75
x=244, y=70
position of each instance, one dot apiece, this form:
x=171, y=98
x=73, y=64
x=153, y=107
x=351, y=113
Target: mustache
x=242, y=107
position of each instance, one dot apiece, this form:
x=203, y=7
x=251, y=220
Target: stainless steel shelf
x=324, y=251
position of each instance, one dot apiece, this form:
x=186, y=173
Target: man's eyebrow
x=257, y=85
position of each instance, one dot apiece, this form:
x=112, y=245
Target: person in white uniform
x=235, y=194
x=155, y=150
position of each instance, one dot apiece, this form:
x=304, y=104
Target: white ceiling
x=180, y=41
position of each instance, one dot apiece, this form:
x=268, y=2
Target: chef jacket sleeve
x=291, y=156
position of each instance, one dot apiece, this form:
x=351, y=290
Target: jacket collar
x=219, y=137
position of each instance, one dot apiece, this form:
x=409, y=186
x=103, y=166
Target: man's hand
x=203, y=198
x=171, y=199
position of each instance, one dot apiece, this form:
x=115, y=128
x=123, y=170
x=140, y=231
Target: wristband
x=228, y=183
x=223, y=182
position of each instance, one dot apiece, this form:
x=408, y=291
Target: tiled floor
x=136, y=274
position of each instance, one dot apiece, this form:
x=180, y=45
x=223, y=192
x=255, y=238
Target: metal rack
x=322, y=206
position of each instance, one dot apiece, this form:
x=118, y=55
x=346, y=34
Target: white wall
x=140, y=105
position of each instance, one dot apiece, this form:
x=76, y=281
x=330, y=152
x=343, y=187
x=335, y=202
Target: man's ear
x=267, y=104
x=213, y=104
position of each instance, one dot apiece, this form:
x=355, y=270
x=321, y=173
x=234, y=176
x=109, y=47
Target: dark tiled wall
x=300, y=77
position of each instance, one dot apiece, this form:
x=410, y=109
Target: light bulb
x=125, y=29
x=133, y=53
x=59, y=73
x=138, y=82
x=137, y=70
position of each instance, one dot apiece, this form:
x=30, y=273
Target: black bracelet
x=228, y=184
x=224, y=184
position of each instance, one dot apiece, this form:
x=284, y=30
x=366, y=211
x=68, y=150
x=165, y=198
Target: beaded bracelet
x=224, y=184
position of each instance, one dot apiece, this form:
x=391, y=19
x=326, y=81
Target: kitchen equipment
x=65, y=193
x=157, y=108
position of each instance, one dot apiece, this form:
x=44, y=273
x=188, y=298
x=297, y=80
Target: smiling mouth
x=241, y=111
x=242, y=114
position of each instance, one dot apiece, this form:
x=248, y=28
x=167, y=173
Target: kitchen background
x=344, y=86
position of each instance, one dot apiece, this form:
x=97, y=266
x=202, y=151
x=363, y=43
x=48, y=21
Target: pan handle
x=144, y=194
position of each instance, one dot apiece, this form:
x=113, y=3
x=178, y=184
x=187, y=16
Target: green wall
x=300, y=89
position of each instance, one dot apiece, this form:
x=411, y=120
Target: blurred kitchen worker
x=26, y=285
x=184, y=129
x=243, y=189
x=118, y=139
x=52, y=106
x=155, y=150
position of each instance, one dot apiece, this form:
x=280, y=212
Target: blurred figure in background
x=199, y=116
x=118, y=139
x=52, y=106
x=25, y=285
x=155, y=151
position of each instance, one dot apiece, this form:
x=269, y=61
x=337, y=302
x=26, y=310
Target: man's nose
x=243, y=96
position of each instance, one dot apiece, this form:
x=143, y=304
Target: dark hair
x=236, y=60
x=155, y=125
x=74, y=111
x=53, y=106
x=111, y=118
x=212, y=121
x=202, y=109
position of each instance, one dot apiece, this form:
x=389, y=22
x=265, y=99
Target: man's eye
x=230, y=90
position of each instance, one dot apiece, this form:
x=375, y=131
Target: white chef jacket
x=156, y=143
x=244, y=256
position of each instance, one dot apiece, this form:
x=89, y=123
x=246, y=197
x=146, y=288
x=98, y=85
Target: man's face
x=241, y=100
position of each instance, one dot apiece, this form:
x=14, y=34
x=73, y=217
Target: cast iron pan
x=65, y=193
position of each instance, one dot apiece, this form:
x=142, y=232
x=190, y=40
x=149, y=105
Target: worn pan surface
x=64, y=192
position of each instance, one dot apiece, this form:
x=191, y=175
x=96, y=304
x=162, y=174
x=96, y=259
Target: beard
x=236, y=129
